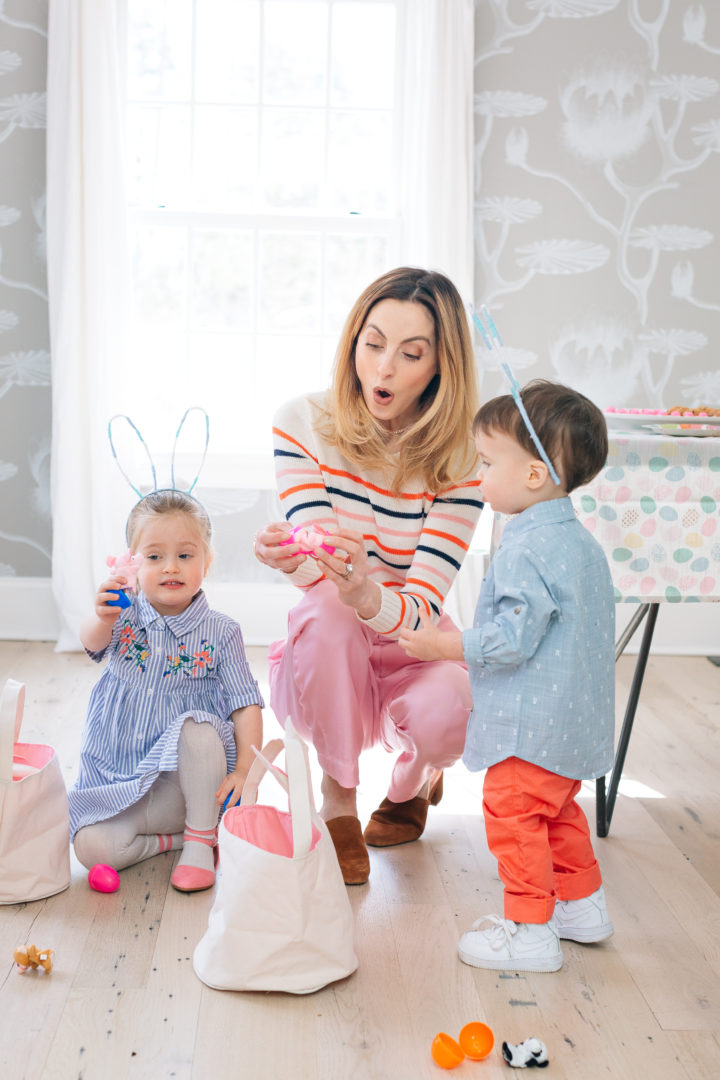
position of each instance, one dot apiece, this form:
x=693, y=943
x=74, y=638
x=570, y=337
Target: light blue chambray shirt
x=541, y=652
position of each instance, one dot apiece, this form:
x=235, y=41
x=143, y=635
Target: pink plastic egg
x=103, y=878
x=311, y=537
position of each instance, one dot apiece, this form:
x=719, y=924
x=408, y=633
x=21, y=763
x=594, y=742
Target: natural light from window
x=261, y=184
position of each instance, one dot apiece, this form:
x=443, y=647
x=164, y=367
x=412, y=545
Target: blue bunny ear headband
x=491, y=339
x=173, y=486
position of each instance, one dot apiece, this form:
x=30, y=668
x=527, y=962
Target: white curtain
x=87, y=278
x=437, y=137
x=88, y=252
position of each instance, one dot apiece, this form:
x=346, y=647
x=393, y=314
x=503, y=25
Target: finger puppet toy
x=27, y=956
x=126, y=566
x=311, y=537
x=526, y=1054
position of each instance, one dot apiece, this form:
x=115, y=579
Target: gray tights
x=156, y=822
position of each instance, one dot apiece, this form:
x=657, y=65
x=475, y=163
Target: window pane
x=158, y=155
x=293, y=157
x=295, y=52
x=222, y=279
x=363, y=55
x=351, y=263
x=158, y=395
x=286, y=367
x=160, y=50
x=227, y=50
x=159, y=269
x=360, y=164
x=225, y=158
x=289, y=282
x=222, y=379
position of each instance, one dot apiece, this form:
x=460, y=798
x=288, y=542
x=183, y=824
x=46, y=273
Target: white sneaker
x=509, y=946
x=583, y=920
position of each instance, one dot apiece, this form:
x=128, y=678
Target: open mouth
x=383, y=397
x=172, y=584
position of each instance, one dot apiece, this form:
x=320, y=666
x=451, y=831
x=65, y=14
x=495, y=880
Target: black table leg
x=605, y=798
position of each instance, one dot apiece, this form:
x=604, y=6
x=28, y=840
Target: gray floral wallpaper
x=25, y=530
x=597, y=171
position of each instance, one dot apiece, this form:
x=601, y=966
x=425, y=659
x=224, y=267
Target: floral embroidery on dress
x=192, y=664
x=130, y=648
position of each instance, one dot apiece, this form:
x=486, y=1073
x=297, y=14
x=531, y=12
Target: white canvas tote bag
x=281, y=918
x=34, y=826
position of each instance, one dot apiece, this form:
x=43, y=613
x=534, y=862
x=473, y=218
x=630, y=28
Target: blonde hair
x=438, y=447
x=169, y=501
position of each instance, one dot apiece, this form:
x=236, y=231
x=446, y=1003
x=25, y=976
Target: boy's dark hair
x=570, y=427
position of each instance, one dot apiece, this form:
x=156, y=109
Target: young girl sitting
x=172, y=720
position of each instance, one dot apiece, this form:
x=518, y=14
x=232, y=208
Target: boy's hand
x=429, y=643
x=422, y=644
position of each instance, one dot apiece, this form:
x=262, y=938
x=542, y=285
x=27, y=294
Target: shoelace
x=500, y=930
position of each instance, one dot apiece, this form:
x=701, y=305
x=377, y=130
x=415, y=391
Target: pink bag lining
x=35, y=754
x=265, y=827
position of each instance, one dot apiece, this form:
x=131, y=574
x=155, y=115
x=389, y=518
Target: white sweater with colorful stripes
x=415, y=540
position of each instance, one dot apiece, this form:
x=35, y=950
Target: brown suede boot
x=350, y=848
x=400, y=823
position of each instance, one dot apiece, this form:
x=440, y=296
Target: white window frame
x=251, y=468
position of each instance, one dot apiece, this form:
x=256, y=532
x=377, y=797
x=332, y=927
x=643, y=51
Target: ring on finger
x=348, y=569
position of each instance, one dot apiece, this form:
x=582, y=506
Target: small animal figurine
x=127, y=566
x=27, y=956
x=526, y=1054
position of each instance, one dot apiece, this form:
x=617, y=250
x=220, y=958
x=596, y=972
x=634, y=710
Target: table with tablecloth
x=655, y=509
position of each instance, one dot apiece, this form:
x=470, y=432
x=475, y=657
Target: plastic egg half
x=477, y=1040
x=445, y=1051
x=103, y=878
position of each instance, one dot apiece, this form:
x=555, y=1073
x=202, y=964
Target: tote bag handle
x=295, y=782
x=12, y=704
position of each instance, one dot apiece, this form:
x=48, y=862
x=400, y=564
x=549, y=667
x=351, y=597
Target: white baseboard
x=28, y=613
x=27, y=610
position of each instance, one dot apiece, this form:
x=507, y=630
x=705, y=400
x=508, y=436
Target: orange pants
x=540, y=838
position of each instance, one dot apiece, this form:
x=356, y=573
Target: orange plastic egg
x=476, y=1040
x=445, y=1051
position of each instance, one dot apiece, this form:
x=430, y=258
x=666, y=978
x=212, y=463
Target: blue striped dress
x=160, y=671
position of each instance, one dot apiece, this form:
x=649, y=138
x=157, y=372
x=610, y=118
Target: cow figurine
x=526, y=1054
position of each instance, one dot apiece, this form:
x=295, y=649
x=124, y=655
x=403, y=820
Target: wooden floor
x=123, y=1001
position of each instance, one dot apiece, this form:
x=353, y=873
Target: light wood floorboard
x=123, y=1002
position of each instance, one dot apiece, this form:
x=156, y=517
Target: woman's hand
x=348, y=569
x=269, y=549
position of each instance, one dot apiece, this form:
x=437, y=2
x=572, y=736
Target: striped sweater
x=415, y=541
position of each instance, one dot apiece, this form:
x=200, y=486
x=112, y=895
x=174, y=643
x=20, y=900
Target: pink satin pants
x=347, y=688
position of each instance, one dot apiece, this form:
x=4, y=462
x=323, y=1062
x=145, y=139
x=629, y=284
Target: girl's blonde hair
x=169, y=501
x=438, y=447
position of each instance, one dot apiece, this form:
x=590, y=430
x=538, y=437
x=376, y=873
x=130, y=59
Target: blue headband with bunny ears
x=173, y=486
x=492, y=340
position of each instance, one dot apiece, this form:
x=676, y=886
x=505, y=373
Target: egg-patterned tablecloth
x=655, y=508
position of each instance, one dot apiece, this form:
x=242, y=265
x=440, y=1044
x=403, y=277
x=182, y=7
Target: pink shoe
x=186, y=878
